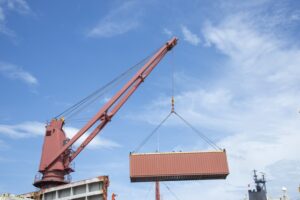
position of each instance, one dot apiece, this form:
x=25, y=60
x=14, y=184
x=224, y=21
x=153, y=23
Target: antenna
x=284, y=191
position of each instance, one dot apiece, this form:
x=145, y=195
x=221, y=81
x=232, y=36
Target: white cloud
x=253, y=110
x=16, y=73
x=110, y=28
x=23, y=130
x=167, y=32
x=295, y=16
x=19, y=6
x=2, y=16
x=3, y=145
x=35, y=129
x=119, y=21
x=190, y=37
x=252, y=52
x=97, y=142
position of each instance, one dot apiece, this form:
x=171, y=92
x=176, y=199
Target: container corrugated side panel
x=178, y=166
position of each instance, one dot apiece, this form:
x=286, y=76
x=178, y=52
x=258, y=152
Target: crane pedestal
x=51, y=179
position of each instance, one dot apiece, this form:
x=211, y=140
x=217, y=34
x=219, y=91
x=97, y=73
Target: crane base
x=51, y=179
x=43, y=184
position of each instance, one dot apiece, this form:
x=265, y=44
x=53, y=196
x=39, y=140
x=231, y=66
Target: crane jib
x=57, y=154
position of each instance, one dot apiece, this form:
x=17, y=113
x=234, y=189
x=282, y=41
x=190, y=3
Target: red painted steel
x=104, y=186
x=57, y=154
x=113, y=196
x=157, y=191
x=177, y=166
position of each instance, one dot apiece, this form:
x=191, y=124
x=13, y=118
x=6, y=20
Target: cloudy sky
x=236, y=79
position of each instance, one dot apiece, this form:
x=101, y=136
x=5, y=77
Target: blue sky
x=236, y=79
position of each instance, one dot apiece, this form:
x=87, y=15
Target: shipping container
x=177, y=166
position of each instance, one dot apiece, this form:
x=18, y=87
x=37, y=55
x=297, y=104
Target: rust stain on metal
x=178, y=166
x=104, y=186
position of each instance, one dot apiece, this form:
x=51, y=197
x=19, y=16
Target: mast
x=157, y=191
x=260, y=191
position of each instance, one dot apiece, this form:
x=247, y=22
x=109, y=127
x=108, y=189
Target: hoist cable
x=149, y=191
x=101, y=89
x=171, y=192
x=173, y=77
x=86, y=99
x=70, y=109
x=173, y=98
x=200, y=134
x=80, y=119
x=97, y=97
x=205, y=138
x=152, y=133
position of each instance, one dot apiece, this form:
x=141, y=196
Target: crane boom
x=57, y=154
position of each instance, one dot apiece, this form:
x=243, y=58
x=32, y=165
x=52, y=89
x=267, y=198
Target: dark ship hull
x=262, y=195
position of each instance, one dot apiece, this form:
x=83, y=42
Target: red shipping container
x=177, y=166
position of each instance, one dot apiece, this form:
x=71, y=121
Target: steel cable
x=152, y=133
x=149, y=191
x=205, y=138
x=99, y=92
x=171, y=192
x=92, y=100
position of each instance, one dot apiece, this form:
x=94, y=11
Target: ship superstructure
x=260, y=191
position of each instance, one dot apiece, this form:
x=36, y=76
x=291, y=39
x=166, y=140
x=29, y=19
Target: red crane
x=57, y=153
